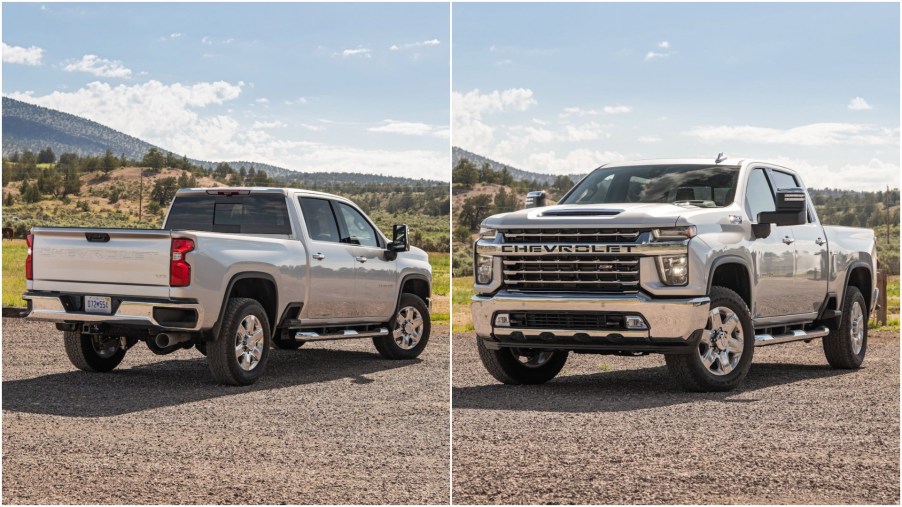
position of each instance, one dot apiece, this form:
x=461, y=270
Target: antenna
x=720, y=158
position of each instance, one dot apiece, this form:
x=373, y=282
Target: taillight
x=29, y=261
x=179, y=269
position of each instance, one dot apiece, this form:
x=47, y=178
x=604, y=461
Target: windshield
x=695, y=185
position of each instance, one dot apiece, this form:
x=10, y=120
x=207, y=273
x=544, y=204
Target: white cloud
x=93, y=64
x=652, y=55
x=365, y=52
x=268, y=124
x=175, y=35
x=262, y=100
x=430, y=42
x=649, y=139
x=574, y=162
x=300, y=101
x=859, y=104
x=815, y=134
x=228, y=41
x=469, y=108
x=664, y=44
x=618, y=109
x=207, y=40
x=874, y=174
x=24, y=56
x=171, y=116
x=409, y=128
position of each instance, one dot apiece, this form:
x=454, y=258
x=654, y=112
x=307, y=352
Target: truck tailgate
x=101, y=256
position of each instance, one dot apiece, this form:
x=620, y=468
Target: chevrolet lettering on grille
x=515, y=249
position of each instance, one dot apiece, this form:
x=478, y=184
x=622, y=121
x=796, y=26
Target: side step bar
x=762, y=340
x=310, y=336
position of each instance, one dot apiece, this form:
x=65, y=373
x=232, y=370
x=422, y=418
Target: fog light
x=635, y=322
x=674, y=269
x=483, y=269
x=502, y=320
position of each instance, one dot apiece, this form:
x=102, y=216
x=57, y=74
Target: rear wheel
x=522, y=366
x=845, y=347
x=724, y=352
x=90, y=352
x=408, y=331
x=238, y=356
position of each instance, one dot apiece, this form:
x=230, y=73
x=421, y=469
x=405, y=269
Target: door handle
x=360, y=259
x=820, y=241
x=318, y=256
x=788, y=240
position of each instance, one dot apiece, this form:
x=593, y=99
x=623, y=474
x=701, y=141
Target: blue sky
x=346, y=87
x=563, y=88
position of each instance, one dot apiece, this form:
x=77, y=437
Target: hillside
x=34, y=128
x=519, y=174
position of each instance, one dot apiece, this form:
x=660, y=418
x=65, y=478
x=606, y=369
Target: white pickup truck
x=232, y=272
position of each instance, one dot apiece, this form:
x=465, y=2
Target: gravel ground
x=617, y=430
x=329, y=423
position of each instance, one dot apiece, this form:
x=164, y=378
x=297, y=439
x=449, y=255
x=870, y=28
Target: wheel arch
x=733, y=273
x=859, y=275
x=416, y=284
x=256, y=285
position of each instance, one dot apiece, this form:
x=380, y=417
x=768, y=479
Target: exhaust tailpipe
x=167, y=340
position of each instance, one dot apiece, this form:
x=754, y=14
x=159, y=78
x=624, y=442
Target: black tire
x=221, y=353
x=388, y=347
x=201, y=347
x=287, y=343
x=691, y=372
x=85, y=356
x=839, y=344
x=504, y=364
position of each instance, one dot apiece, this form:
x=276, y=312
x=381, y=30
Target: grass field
x=14, y=252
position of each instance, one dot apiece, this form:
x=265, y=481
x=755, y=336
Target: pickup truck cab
x=699, y=260
x=232, y=272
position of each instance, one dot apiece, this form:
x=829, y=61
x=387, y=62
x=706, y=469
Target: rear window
x=237, y=214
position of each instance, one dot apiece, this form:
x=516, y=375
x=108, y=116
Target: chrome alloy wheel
x=532, y=358
x=105, y=347
x=408, y=328
x=856, y=328
x=249, y=343
x=720, y=347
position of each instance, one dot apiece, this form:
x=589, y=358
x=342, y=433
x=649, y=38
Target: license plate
x=98, y=304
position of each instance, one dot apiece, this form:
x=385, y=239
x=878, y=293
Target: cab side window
x=758, y=195
x=360, y=231
x=321, y=223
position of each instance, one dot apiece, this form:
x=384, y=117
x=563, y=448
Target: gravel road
x=329, y=423
x=616, y=430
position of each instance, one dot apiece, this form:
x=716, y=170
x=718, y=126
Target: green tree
x=108, y=163
x=153, y=159
x=164, y=190
x=465, y=173
x=46, y=156
x=474, y=210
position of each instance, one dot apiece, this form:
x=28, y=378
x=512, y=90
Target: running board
x=310, y=336
x=762, y=340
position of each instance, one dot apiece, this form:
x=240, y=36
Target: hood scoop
x=577, y=212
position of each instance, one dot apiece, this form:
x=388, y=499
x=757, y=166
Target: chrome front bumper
x=133, y=313
x=668, y=320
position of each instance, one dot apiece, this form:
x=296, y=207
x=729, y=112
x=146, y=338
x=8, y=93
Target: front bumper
x=672, y=324
x=155, y=314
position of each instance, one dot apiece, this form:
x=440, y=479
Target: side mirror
x=400, y=238
x=535, y=199
x=792, y=204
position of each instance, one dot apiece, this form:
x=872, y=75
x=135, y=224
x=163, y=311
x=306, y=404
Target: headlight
x=483, y=269
x=674, y=233
x=487, y=233
x=673, y=269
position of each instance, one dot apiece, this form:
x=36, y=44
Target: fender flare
x=731, y=259
x=225, y=297
x=408, y=277
x=852, y=267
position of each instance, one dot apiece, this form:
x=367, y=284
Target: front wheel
x=845, y=347
x=90, y=352
x=522, y=366
x=409, y=330
x=724, y=352
x=239, y=354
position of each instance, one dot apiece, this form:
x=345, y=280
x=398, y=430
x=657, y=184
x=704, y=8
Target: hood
x=626, y=215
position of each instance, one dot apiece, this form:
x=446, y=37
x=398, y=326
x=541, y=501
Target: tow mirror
x=535, y=199
x=792, y=204
x=400, y=238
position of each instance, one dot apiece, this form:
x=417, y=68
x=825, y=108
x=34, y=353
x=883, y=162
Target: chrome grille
x=597, y=273
x=570, y=235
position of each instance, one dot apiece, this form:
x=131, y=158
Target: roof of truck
x=272, y=190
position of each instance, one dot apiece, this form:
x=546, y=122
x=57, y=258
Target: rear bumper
x=672, y=324
x=126, y=312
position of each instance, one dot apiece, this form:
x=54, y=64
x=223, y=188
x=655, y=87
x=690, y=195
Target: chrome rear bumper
x=668, y=320
x=132, y=313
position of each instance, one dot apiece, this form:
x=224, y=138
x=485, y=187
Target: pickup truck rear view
x=699, y=260
x=233, y=272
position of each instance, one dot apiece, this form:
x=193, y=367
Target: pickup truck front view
x=233, y=272
x=700, y=261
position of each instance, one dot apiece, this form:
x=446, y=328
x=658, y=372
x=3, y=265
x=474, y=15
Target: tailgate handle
x=97, y=237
